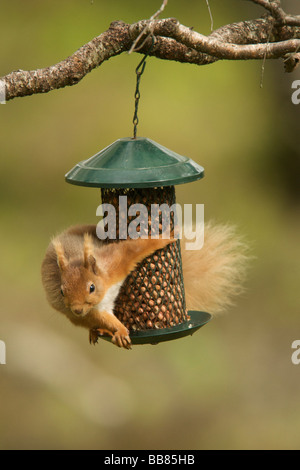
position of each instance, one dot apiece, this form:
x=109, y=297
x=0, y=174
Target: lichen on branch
x=276, y=35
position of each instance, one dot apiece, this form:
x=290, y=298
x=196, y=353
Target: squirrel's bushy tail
x=214, y=275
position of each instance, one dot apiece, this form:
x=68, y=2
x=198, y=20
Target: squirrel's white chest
x=108, y=302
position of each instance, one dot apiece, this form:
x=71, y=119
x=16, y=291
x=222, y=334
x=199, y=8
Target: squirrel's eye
x=62, y=292
x=92, y=288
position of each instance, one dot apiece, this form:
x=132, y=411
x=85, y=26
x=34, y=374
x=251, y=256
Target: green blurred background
x=230, y=386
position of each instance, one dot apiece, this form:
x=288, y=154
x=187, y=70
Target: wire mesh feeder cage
x=151, y=302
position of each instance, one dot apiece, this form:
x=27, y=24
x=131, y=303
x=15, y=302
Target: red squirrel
x=82, y=276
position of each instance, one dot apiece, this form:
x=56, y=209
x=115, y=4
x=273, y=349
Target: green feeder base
x=151, y=336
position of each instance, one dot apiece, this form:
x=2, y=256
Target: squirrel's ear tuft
x=91, y=264
x=89, y=259
x=87, y=248
x=61, y=259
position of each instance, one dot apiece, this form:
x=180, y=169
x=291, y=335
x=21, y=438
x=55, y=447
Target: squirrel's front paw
x=121, y=338
x=94, y=334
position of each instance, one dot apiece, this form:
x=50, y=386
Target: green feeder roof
x=135, y=163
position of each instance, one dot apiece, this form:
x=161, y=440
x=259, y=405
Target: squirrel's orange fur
x=82, y=276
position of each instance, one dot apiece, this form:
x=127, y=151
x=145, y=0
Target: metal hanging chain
x=139, y=72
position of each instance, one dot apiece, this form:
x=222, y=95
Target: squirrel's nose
x=77, y=311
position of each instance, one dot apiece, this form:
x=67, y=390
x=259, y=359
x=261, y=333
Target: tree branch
x=275, y=35
x=70, y=71
x=274, y=7
x=233, y=51
x=146, y=30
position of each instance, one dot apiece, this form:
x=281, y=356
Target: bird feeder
x=151, y=302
